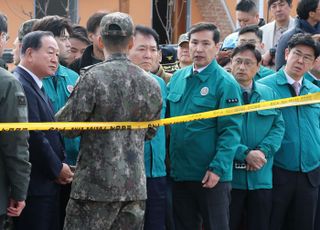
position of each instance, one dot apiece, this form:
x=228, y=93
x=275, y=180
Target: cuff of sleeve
x=56, y=171
x=18, y=196
x=265, y=151
x=243, y=156
x=216, y=170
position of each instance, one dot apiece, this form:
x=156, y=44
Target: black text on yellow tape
x=69, y=126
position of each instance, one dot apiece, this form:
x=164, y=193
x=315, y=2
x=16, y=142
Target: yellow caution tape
x=64, y=126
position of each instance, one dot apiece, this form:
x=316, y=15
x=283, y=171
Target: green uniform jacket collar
x=61, y=72
x=282, y=80
x=206, y=73
x=256, y=89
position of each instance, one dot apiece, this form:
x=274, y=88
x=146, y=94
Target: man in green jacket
x=14, y=155
x=261, y=137
x=296, y=170
x=143, y=53
x=202, y=152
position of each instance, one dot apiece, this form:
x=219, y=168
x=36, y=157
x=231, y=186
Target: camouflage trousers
x=126, y=215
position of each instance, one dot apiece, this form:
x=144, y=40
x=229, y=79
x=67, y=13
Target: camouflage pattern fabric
x=104, y=215
x=110, y=165
x=116, y=24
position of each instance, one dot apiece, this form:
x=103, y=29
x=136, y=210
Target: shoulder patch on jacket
x=21, y=100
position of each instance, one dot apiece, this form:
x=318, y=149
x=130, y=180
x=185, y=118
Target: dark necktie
x=245, y=96
x=195, y=72
x=55, y=81
x=42, y=89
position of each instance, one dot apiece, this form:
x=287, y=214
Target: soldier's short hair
x=306, y=40
x=3, y=23
x=33, y=40
x=249, y=47
x=202, y=26
x=54, y=24
x=144, y=30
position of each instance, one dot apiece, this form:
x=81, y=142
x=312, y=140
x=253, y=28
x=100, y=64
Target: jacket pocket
x=174, y=97
x=203, y=103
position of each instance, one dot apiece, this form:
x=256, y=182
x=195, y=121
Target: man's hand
x=316, y=37
x=210, y=180
x=267, y=58
x=15, y=207
x=66, y=175
x=255, y=160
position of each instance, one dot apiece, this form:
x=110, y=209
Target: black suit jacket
x=45, y=147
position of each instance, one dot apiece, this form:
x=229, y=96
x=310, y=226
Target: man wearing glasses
x=296, y=170
x=261, y=137
x=253, y=35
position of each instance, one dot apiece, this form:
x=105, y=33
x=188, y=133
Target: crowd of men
x=257, y=170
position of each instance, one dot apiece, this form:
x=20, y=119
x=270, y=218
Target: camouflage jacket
x=110, y=166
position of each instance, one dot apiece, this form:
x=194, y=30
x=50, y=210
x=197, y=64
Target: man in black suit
x=39, y=58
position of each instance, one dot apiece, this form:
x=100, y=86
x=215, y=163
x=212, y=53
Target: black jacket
x=86, y=60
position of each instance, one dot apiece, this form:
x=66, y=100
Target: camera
x=272, y=52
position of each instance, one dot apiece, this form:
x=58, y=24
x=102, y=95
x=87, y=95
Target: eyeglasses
x=308, y=59
x=247, y=63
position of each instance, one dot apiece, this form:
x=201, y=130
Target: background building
x=169, y=17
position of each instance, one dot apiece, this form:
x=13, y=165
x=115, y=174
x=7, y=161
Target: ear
x=286, y=53
x=218, y=45
x=130, y=43
x=100, y=42
x=90, y=36
x=28, y=55
x=259, y=64
x=312, y=14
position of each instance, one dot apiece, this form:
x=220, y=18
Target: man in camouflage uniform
x=15, y=167
x=109, y=187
